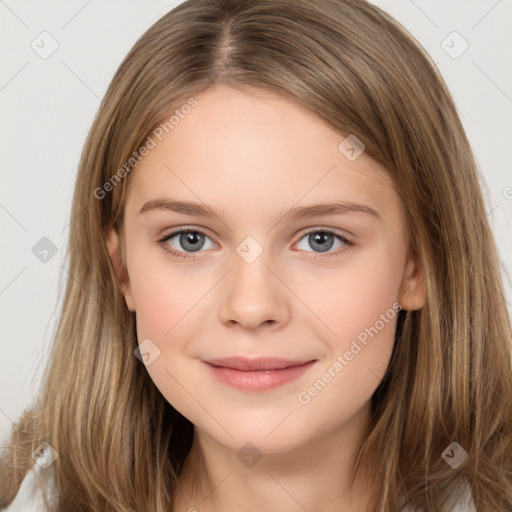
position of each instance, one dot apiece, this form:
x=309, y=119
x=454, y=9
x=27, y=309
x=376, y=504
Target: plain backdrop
x=48, y=102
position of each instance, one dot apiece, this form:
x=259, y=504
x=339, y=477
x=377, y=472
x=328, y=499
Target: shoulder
x=465, y=504
x=30, y=494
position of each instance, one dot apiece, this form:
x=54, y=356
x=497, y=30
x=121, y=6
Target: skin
x=250, y=156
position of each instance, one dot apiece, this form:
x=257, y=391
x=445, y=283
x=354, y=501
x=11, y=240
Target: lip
x=259, y=374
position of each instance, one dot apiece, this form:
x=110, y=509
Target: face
x=266, y=275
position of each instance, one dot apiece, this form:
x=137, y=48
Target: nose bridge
x=253, y=293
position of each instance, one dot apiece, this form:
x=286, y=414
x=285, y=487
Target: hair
x=121, y=445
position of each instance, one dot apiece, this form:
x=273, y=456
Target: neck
x=313, y=476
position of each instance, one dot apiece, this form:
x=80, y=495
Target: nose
x=254, y=295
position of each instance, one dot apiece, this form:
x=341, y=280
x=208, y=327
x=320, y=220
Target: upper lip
x=258, y=363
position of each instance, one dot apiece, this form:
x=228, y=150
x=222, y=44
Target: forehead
x=239, y=150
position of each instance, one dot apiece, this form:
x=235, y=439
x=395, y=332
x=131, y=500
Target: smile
x=257, y=375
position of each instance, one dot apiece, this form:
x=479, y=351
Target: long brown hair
x=121, y=445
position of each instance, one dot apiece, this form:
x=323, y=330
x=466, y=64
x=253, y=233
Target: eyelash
x=187, y=256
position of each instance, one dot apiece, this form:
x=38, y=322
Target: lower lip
x=258, y=380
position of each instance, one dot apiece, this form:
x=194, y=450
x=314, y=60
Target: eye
x=323, y=240
x=190, y=240
x=185, y=241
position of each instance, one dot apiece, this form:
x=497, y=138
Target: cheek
x=167, y=304
x=162, y=295
x=156, y=307
x=358, y=304
x=353, y=297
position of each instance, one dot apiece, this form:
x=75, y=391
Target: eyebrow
x=316, y=210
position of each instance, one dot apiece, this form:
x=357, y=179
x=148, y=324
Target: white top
x=30, y=497
x=465, y=504
x=30, y=494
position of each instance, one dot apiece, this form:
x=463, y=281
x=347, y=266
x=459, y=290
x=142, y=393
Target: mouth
x=259, y=374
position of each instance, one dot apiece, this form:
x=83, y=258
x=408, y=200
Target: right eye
x=191, y=240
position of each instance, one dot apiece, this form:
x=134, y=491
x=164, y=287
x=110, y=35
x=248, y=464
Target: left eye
x=323, y=240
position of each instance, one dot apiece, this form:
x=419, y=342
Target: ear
x=412, y=293
x=113, y=241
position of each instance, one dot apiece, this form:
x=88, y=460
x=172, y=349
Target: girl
x=285, y=293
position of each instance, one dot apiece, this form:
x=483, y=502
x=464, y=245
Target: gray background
x=48, y=104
